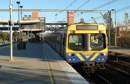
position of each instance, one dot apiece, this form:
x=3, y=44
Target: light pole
x=11, y=47
x=115, y=27
x=18, y=2
x=19, y=43
x=21, y=29
x=21, y=11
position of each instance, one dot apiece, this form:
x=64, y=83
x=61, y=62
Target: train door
x=63, y=45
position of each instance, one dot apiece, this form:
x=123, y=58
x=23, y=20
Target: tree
x=4, y=37
x=124, y=39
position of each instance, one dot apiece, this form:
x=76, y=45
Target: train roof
x=64, y=30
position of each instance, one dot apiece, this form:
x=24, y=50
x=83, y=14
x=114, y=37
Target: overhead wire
x=122, y=9
x=79, y=7
x=64, y=9
x=83, y=5
x=117, y=11
x=106, y=4
x=67, y=7
x=101, y=6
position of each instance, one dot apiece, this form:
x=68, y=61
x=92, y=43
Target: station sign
x=34, y=18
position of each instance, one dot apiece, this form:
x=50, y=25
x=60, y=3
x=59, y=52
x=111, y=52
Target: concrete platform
x=38, y=64
x=125, y=52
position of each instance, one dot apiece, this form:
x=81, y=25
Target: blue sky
x=62, y=4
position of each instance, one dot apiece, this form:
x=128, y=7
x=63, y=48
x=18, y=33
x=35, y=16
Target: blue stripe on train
x=72, y=59
x=75, y=59
x=101, y=58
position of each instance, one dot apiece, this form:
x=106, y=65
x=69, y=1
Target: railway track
x=115, y=73
x=94, y=78
x=119, y=67
x=122, y=64
x=97, y=79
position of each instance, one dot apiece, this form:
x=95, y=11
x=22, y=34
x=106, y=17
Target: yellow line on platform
x=48, y=67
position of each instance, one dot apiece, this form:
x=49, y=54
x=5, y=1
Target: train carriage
x=82, y=44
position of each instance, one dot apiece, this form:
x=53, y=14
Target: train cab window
x=75, y=41
x=97, y=41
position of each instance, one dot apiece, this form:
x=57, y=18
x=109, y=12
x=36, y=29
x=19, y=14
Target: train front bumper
x=79, y=57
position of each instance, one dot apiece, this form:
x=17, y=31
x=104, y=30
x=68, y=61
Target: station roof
x=29, y=22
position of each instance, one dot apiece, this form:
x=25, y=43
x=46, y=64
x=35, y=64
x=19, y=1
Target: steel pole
x=109, y=28
x=18, y=14
x=115, y=31
x=21, y=12
x=11, y=47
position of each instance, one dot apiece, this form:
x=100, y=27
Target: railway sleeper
x=88, y=70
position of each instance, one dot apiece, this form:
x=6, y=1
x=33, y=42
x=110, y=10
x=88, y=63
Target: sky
x=70, y=5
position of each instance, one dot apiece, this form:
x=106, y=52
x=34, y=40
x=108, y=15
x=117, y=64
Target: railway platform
x=120, y=51
x=37, y=64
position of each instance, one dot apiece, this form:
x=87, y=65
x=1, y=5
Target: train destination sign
x=87, y=27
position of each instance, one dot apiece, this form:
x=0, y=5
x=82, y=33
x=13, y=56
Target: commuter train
x=83, y=45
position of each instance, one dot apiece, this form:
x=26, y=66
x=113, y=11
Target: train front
x=87, y=44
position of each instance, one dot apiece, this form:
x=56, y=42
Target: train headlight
x=69, y=59
x=103, y=59
x=73, y=59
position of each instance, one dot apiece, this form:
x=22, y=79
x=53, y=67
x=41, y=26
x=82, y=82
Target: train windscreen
x=97, y=41
x=87, y=41
x=75, y=41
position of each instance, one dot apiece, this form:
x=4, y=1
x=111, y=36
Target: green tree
x=4, y=37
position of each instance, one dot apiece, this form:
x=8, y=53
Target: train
x=82, y=45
